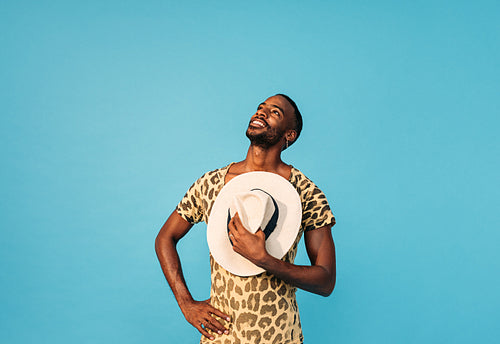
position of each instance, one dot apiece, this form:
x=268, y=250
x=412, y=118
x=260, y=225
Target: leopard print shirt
x=263, y=308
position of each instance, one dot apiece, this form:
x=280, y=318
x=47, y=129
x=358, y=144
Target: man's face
x=269, y=124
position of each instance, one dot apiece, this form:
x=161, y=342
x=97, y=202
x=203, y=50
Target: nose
x=262, y=113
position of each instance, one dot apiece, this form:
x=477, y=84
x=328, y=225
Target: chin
x=263, y=139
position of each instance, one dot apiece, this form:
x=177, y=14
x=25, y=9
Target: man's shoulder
x=214, y=176
x=316, y=210
x=300, y=180
x=304, y=185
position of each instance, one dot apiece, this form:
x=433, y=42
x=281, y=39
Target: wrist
x=264, y=260
x=185, y=302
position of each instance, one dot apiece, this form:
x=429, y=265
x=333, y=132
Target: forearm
x=171, y=266
x=316, y=279
x=197, y=313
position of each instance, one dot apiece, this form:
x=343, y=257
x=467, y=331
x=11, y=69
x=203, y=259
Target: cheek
x=276, y=122
x=283, y=125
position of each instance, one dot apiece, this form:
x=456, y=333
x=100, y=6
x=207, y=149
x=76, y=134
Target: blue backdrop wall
x=111, y=109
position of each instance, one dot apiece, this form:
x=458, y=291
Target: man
x=261, y=308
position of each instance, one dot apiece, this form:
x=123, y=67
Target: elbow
x=328, y=287
x=162, y=241
x=328, y=290
x=157, y=243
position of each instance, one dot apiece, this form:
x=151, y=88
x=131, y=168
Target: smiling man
x=260, y=308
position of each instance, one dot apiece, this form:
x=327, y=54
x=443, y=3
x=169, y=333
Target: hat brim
x=280, y=240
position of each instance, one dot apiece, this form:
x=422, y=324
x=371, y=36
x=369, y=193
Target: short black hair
x=298, y=116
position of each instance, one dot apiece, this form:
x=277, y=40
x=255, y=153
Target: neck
x=263, y=159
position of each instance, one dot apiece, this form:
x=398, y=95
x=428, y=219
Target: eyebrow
x=264, y=103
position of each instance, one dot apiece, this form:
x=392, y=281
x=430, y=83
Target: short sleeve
x=190, y=207
x=316, y=212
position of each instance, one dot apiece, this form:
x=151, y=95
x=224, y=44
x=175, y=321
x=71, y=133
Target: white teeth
x=259, y=123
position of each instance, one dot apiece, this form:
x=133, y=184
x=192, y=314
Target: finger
x=212, y=311
x=232, y=223
x=236, y=248
x=215, y=311
x=204, y=332
x=260, y=233
x=231, y=230
x=215, y=326
x=237, y=221
x=232, y=238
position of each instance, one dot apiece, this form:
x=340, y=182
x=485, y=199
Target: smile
x=258, y=123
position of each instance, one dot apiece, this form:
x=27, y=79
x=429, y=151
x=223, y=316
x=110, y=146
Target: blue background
x=111, y=109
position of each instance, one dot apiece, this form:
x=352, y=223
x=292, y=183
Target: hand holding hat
x=251, y=245
x=262, y=200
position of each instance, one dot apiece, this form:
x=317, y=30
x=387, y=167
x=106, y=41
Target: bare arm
x=319, y=278
x=197, y=313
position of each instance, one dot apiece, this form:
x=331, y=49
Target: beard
x=266, y=138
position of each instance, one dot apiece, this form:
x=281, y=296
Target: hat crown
x=255, y=209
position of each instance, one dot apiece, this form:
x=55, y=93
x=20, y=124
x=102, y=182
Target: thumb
x=260, y=234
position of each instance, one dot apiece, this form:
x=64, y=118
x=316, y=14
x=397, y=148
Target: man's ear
x=291, y=135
